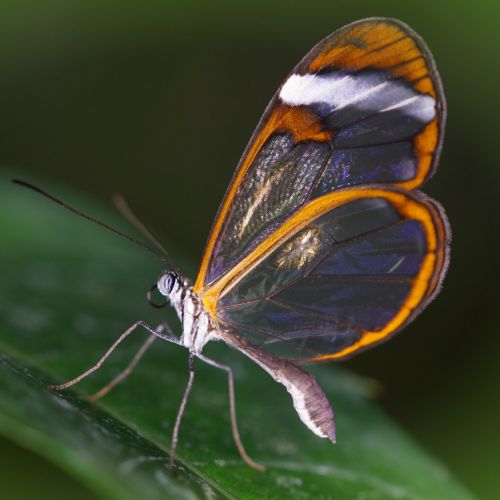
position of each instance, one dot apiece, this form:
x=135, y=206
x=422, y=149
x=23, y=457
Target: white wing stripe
x=367, y=92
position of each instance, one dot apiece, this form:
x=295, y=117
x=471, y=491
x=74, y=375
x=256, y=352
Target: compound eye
x=166, y=283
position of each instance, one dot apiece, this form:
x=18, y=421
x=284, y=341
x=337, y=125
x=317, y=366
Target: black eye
x=169, y=283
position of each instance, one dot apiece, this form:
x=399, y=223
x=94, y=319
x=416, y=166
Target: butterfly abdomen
x=308, y=397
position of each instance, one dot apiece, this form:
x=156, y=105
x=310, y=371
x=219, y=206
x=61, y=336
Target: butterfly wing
x=364, y=106
x=344, y=272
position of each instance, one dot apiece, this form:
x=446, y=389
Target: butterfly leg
x=135, y=360
x=180, y=412
x=125, y=373
x=232, y=411
x=158, y=332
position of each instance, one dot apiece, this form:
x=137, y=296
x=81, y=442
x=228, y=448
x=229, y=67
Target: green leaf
x=69, y=289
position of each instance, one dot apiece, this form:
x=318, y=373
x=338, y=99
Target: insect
x=322, y=246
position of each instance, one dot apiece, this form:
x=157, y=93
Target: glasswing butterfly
x=322, y=246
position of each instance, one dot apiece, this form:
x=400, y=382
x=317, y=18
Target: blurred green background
x=157, y=100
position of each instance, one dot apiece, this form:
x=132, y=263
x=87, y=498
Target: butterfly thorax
x=197, y=325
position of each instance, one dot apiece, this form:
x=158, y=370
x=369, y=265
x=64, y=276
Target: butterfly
x=322, y=246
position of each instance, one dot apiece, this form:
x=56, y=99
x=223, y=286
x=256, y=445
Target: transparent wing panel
x=279, y=182
x=346, y=273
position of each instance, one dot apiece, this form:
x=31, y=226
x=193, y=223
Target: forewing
x=364, y=106
x=345, y=272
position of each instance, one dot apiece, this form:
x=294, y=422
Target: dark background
x=157, y=100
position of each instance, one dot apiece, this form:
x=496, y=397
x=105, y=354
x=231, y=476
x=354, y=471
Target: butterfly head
x=169, y=284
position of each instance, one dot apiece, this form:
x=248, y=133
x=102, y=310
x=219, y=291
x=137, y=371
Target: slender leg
x=138, y=356
x=156, y=332
x=125, y=373
x=232, y=410
x=180, y=412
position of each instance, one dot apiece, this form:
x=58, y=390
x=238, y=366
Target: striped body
x=197, y=326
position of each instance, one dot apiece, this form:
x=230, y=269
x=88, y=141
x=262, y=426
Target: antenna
x=123, y=207
x=87, y=217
